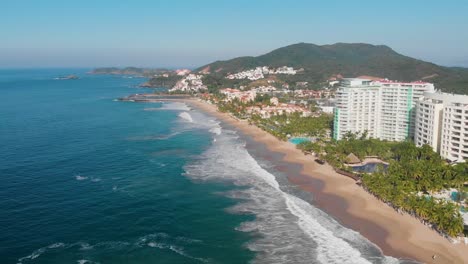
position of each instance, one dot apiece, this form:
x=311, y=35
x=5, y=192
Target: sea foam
x=80, y=178
x=161, y=241
x=291, y=229
x=175, y=106
x=186, y=116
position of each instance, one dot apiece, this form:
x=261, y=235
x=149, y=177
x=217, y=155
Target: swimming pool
x=369, y=167
x=298, y=140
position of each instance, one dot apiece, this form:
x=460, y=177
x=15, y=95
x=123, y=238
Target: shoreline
x=397, y=235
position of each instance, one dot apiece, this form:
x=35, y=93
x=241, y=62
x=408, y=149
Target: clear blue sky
x=175, y=33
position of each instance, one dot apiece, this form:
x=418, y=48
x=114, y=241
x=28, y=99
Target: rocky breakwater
x=148, y=98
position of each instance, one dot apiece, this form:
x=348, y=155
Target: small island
x=68, y=77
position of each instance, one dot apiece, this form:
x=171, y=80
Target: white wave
x=85, y=246
x=175, y=249
x=80, y=178
x=95, y=179
x=291, y=229
x=174, y=106
x=216, y=130
x=84, y=261
x=186, y=116
x=37, y=253
x=156, y=240
x=154, y=137
x=56, y=245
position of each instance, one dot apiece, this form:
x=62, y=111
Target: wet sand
x=397, y=235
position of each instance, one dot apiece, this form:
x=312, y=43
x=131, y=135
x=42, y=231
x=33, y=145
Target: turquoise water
x=86, y=179
x=298, y=140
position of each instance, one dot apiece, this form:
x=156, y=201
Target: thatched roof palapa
x=352, y=159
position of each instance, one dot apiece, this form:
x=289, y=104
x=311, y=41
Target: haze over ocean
x=164, y=33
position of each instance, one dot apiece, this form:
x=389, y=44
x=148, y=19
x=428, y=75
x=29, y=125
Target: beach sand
x=398, y=235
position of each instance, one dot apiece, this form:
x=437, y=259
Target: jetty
x=151, y=98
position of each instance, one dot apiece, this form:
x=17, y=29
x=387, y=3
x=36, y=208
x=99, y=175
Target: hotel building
x=442, y=123
x=383, y=108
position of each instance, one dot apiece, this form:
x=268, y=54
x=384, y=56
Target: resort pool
x=298, y=140
x=369, y=167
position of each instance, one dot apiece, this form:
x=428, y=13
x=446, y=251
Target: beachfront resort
x=367, y=135
x=408, y=135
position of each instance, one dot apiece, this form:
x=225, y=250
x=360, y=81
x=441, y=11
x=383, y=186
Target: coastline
x=397, y=235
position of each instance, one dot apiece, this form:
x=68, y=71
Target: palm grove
x=413, y=173
x=406, y=184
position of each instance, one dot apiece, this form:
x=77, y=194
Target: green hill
x=349, y=60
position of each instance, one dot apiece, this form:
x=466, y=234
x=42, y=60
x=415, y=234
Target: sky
x=188, y=33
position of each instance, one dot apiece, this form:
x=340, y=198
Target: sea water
x=87, y=179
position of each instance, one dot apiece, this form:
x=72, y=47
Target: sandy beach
x=398, y=235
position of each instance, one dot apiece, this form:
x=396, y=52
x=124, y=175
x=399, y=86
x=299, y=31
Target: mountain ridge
x=320, y=62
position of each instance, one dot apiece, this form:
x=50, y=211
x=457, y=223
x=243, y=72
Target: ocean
x=88, y=179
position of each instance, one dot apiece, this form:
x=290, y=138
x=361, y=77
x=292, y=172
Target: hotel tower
x=385, y=109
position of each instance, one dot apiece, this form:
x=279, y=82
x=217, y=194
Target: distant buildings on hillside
x=260, y=72
x=182, y=72
x=242, y=96
x=190, y=83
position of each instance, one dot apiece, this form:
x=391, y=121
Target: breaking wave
x=216, y=130
x=154, y=137
x=37, y=253
x=161, y=241
x=80, y=178
x=290, y=229
x=186, y=116
x=85, y=178
x=175, y=106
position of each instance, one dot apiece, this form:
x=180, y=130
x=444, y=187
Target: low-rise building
x=242, y=96
x=274, y=101
x=260, y=72
x=190, y=83
x=266, y=111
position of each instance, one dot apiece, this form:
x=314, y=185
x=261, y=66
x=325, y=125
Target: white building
x=398, y=101
x=279, y=109
x=428, y=121
x=357, y=108
x=243, y=96
x=260, y=72
x=327, y=109
x=385, y=109
x=190, y=83
x=442, y=123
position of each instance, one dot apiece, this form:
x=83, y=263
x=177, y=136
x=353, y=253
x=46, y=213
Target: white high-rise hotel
x=385, y=109
x=442, y=123
x=398, y=111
